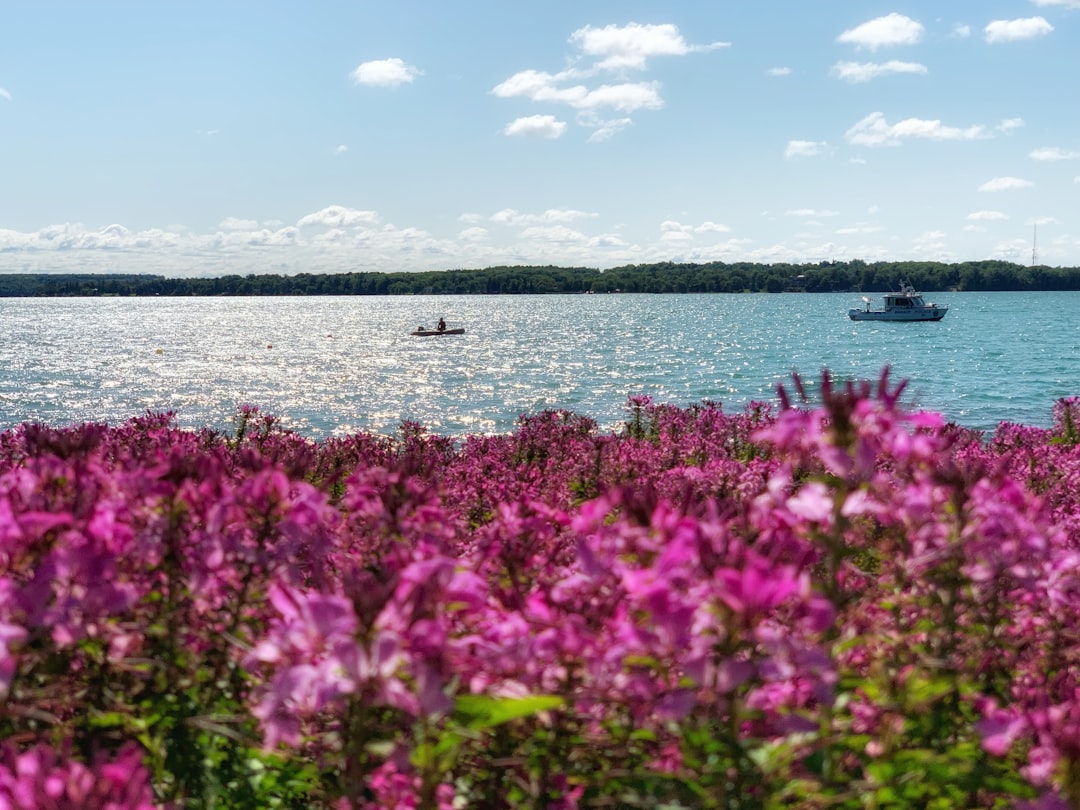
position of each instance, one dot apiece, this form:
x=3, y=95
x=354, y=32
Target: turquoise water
x=336, y=365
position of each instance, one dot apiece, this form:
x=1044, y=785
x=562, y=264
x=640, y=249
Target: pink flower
x=999, y=730
x=318, y=659
x=44, y=778
x=812, y=502
x=757, y=587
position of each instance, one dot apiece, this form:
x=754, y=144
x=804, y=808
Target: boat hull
x=434, y=332
x=928, y=314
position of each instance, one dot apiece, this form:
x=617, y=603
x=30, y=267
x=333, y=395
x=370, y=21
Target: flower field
x=830, y=604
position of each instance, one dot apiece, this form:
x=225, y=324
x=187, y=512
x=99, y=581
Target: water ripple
x=340, y=364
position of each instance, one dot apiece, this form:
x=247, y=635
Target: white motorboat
x=906, y=305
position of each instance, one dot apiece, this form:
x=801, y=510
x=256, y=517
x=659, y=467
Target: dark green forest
x=665, y=277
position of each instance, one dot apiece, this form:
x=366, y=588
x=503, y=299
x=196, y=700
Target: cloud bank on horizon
x=386, y=139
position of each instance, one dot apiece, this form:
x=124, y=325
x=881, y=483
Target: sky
x=207, y=138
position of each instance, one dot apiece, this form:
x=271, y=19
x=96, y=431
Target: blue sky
x=205, y=138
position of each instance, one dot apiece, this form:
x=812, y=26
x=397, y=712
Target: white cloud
x=1012, y=30
x=799, y=149
x=335, y=237
x=235, y=224
x=614, y=48
x=507, y=216
x=1012, y=250
x=510, y=216
x=1076, y=179
x=1009, y=124
x=859, y=228
x=474, y=234
x=341, y=149
x=892, y=29
x=385, y=73
x=603, y=128
x=235, y=242
x=1053, y=153
x=779, y=71
x=343, y=239
x=338, y=216
x=631, y=46
x=556, y=234
x=538, y=85
x=1063, y=3
x=607, y=240
x=810, y=212
x=874, y=130
x=930, y=241
x=73, y=239
x=671, y=231
x=857, y=72
x=4, y=94
x=241, y=248
x=14, y=240
x=624, y=97
x=282, y=237
x=535, y=126
x=1005, y=184
x=544, y=87
x=564, y=215
x=962, y=31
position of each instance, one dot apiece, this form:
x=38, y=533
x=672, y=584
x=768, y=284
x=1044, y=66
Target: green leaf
x=113, y=720
x=484, y=711
x=923, y=691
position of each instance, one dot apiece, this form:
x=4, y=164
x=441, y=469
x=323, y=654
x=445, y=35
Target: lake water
x=341, y=364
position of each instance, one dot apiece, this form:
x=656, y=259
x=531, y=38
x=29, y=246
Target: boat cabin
x=904, y=300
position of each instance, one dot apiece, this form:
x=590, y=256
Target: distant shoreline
x=665, y=277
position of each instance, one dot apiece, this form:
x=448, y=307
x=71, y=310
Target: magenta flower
x=42, y=778
x=1000, y=730
x=317, y=661
x=758, y=587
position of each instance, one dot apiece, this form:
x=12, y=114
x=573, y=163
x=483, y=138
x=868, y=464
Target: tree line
x=662, y=277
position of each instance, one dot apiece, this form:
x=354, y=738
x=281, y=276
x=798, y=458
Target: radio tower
x=1034, y=244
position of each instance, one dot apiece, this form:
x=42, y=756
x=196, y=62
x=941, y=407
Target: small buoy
x=158, y=351
x=269, y=345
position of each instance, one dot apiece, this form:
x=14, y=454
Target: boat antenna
x=1035, y=244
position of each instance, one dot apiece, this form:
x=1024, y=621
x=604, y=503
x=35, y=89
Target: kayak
x=432, y=332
